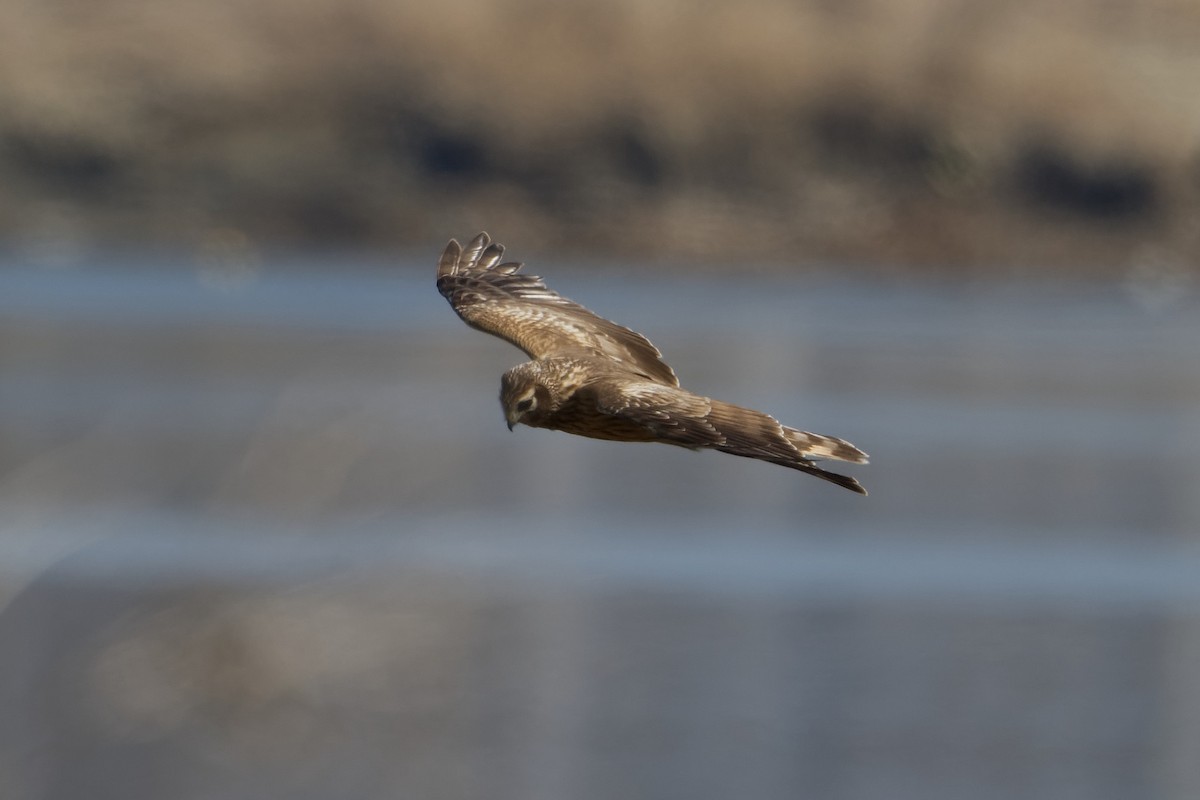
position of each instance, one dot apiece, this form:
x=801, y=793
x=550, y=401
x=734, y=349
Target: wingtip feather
x=845, y=481
x=491, y=255
x=476, y=248
x=448, y=263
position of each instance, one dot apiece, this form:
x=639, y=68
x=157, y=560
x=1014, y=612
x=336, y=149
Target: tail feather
x=816, y=445
x=753, y=434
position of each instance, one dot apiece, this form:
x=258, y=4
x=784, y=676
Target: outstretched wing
x=496, y=298
x=676, y=416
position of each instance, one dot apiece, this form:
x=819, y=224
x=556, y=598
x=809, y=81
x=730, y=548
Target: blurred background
x=263, y=532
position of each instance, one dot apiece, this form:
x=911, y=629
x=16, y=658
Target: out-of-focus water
x=264, y=534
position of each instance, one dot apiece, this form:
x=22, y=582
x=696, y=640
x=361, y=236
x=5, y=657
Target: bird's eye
x=525, y=405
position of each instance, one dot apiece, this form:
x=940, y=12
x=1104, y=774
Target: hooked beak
x=512, y=418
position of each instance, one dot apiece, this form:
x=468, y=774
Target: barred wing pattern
x=495, y=297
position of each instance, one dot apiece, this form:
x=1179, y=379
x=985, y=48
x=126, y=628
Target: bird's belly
x=595, y=425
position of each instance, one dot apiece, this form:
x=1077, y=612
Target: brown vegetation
x=930, y=133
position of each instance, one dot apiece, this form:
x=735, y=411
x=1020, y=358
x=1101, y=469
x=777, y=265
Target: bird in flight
x=595, y=378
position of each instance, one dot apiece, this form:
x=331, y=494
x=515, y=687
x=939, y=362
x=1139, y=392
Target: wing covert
x=493, y=296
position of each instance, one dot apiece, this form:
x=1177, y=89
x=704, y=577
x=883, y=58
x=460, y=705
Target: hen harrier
x=592, y=377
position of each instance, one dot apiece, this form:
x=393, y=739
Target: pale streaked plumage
x=593, y=377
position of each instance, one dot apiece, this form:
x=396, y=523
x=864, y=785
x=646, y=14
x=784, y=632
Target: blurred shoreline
x=930, y=136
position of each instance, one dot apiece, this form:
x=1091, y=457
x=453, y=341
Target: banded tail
x=753, y=434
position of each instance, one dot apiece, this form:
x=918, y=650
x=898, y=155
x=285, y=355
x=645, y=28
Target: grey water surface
x=263, y=533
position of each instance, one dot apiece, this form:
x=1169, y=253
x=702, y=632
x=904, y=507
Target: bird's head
x=521, y=393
